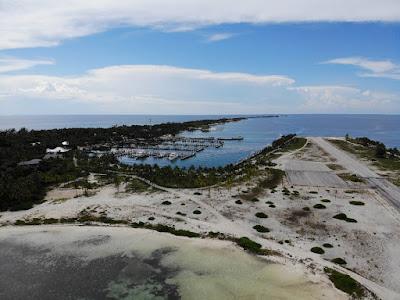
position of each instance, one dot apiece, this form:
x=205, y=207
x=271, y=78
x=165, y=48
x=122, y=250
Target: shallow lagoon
x=72, y=262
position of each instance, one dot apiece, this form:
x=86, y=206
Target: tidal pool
x=81, y=262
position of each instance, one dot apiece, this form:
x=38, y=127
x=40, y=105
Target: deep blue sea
x=257, y=132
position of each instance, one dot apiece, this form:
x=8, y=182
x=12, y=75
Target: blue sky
x=344, y=64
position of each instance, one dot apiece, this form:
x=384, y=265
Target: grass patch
x=345, y=283
x=344, y=217
x=135, y=185
x=335, y=167
x=350, y=177
x=260, y=228
x=273, y=178
x=50, y=221
x=317, y=250
x=294, y=144
x=261, y=215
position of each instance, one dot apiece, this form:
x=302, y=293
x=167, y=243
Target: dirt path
x=388, y=190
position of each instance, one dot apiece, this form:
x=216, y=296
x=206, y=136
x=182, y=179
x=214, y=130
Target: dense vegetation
x=23, y=186
x=380, y=149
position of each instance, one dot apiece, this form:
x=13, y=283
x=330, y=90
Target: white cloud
x=344, y=99
x=26, y=23
x=9, y=64
x=216, y=37
x=375, y=68
x=148, y=89
x=155, y=89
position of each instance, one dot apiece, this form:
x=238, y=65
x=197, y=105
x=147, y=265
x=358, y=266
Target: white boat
x=173, y=156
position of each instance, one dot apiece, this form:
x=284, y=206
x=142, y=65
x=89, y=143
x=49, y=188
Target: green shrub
x=357, y=202
x=345, y=283
x=196, y=212
x=166, y=202
x=313, y=192
x=165, y=228
x=254, y=199
x=326, y=200
x=20, y=222
x=343, y=217
x=249, y=245
x=260, y=228
x=261, y=215
x=339, y=261
x=306, y=208
x=319, y=206
x=317, y=250
x=272, y=205
x=238, y=202
x=327, y=245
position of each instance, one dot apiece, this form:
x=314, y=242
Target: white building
x=57, y=150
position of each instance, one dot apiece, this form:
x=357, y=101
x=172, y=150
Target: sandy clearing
x=300, y=165
x=315, y=178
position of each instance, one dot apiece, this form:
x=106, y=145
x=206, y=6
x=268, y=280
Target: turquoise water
x=257, y=132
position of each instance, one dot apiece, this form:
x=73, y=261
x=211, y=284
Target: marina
x=170, y=147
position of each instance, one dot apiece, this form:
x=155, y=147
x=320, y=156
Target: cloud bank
x=43, y=23
x=148, y=89
x=160, y=89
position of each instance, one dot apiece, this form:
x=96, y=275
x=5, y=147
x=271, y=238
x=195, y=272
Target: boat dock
x=169, y=147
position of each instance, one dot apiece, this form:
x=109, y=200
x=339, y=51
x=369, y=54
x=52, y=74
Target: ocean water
x=257, y=132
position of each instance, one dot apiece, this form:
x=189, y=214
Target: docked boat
x=173, y=156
